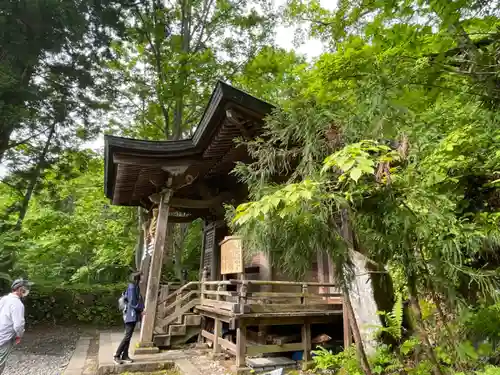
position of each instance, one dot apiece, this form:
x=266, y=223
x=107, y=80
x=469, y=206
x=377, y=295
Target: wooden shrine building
x=238, y=297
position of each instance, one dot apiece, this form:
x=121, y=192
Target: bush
x=484, y=324
x=74, y=304
x=330, y=363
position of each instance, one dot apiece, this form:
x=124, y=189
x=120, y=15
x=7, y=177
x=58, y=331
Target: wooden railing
x=310, y=297
x=267, y=303
x=172, y=306
x=283, y=297
x=170, y=292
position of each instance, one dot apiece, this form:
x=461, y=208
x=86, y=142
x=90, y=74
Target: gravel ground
x=210, y=367
x=43, y=351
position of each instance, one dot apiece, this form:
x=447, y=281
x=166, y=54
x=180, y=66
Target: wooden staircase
x=176, y=323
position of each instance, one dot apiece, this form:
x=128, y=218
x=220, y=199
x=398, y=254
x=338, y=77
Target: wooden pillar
x=265, y=270
x=265, y=274
x=217, y=335
x=149, y=237
x=331, y=274
x=241, y=344
x=306, y=342
x=202, y=297
x=347, y=327
x=217, y=325
x=202, y=255
x=145, y=265
x=148, y=322
x=322, y=271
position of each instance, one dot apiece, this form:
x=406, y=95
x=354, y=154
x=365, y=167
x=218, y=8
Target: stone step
x=270, y=363
x=151, y=359
x=139, y=366
x=146, y=350
x=162, y=340
x=176, y=329
x=192, y=320
x=190, y=333
x=77, y=363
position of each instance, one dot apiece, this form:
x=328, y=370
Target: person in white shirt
x=12, y=319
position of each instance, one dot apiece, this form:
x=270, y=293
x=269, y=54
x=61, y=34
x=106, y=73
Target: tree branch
x=13, y=187
x=15, y=144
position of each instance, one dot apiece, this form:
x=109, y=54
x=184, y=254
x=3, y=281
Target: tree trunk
x=12, y=100
x=141, y=241
x=34, y=179
x=5, y=133
x=349, y=239
x=181, y=84
x=489, y=82
x=179, y=247
x=363, y=359
x=417, y=316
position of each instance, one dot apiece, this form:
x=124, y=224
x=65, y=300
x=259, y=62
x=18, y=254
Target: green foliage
x=357, y=159
x=185, y=47
x=489, y=370
x=191, y=249
x=271, y=74
x=393, y=137
x=483, y=323
x=343, y=362
x=71, y=233
x=187, y=251
x=384, y=361
x=393, y=320
x=304, y=228
x=53, y=79
x=8, y=242
x=74, y=304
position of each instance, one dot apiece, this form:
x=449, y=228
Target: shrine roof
x=198, y=167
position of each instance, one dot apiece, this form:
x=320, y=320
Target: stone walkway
x=76, y=365
x=90, y=358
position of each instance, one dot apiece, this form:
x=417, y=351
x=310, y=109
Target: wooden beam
x=233, y=118
x=127, y=159
x=306, y=341
x=222, y=305
x=193, y=203
x=347, y=328
x=213, y=312
x=206, y=193
x=228, y=345
x=261, y=349
x=241, y=345
x=148, y=322
x=200, y=203
x=284, y=321
x=292, y=314
x=207, y=335
x=181, y=219
x=217, y=335
x=281, y=308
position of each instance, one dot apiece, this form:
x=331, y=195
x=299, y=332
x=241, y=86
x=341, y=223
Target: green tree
x=71, y=233
x=418, y=198
x=40, y=57
x=271, y=74
x=458, y=37
x=175, y=52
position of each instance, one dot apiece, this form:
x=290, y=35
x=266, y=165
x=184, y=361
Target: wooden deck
x=230, y=306
x=270, y=303
x=241, y=309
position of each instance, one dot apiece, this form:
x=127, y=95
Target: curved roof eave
x=222, y=95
